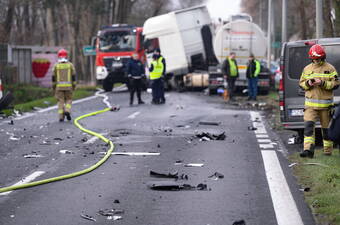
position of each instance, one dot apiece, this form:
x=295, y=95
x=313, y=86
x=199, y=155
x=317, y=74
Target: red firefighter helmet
x=317, y=52
x=62, y=53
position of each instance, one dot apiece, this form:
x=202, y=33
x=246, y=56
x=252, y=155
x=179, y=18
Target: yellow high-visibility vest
x=158, y=68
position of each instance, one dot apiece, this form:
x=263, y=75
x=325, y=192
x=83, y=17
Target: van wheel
x=107, y=85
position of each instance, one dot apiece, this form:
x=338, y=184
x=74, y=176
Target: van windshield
x=117, y=41
x=298, y=59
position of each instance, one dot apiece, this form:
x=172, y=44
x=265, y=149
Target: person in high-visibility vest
x=230, y=73
x=64, y=83
x=156, y=72
x=253, y=70
x=161, y=89
x=318, y=79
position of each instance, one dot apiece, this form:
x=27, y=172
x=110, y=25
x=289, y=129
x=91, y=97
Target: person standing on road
x=230, y=73
x=64, y=83
x=162, y=59
x=156, y=71
x=136, y=73
x=253, y=70
x=318, y=79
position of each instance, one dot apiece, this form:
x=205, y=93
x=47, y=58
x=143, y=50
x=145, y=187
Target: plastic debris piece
x=252, y=128
x=205, y=136
x=216, y=176
x=174, y=186
x=163, y=175
x=194, y=165
x=291, y=141
x=117, y=218
x=65, y=151
x=239, y=222
x=14, y=138
x=11, y=122
x=87, y=217
x=209, y=123
x=116, y=201
x=110, y=212
x=33, y=156
x=115, y=108
x=291, y=165
x=306, y=189
x=57, y=139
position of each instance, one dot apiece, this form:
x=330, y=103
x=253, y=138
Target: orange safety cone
x=226, y=95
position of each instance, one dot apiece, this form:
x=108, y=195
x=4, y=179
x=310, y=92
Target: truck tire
x=107, y=85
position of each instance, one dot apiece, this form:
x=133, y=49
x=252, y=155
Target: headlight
x=101, y=72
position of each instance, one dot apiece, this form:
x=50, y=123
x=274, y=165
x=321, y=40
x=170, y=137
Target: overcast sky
x=223, y=8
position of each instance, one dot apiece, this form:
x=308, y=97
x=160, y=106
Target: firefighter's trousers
x=64, y=102
x=310, y=117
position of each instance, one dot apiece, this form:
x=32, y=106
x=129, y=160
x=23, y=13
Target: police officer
x=230, y=72
x=318, y=79
x=156, y=72
x=136, y=73
x=157, y=52
x=253, y=70
x=63, y=83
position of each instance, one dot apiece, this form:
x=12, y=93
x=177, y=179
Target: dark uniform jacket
x=135, y=68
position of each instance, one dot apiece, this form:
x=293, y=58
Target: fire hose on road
x=81, y=172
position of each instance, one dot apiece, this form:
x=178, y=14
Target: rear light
x=310, y=43
x=282, y=103
x=281, y=85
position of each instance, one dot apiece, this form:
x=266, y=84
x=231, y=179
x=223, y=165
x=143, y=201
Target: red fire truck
x=114, y=46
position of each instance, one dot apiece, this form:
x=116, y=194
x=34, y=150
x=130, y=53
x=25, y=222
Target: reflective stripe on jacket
x=63, y=76
x=319, y=96
x=158, y=69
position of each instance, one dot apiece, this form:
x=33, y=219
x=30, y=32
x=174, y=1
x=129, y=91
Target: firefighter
x=64, y=83
x=253, y=70
x=136, y=73
x=157, y=52
x=230, y=72
x=156, y=71
x=318, y=79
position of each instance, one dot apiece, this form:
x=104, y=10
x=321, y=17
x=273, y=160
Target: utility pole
x=318, y=19
x=284, y=21
x=269, y=32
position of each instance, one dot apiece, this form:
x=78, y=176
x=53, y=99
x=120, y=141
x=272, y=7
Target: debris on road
x=14, y=138
x=65, y=151
x=173, y=175
x=252, y=128
x=11, y=122
x=205, y=136
x=216, y=176
x=110, y=212
x=194, y=165
x=57, y=139
x=115, y=108
x=87, y=217
x=209, y=123
x=292, y=164
x=29, y=156
x=116, y=201
x=135, y=153
x=174, y=186
x=239, y=222
x=306, y=189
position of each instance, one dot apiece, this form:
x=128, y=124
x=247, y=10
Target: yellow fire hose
x=75, y=174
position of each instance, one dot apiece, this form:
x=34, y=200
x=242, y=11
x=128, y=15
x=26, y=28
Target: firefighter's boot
x=308, y=153
x=68, y=116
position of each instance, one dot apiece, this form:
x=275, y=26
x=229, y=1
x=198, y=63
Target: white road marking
x=26, y=180
x=284, y=205
x=133, y=115
x=134, y=153
x=93, y=139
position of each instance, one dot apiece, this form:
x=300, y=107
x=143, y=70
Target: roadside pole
x=269, y=32
x=318, y=19
x=284, y=21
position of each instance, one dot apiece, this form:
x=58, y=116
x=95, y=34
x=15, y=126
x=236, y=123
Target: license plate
x=296, y=112
x=117, y=64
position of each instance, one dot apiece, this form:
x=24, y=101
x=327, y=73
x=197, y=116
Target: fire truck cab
x=114, y=46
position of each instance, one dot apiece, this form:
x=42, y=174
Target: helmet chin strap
x=62, y=60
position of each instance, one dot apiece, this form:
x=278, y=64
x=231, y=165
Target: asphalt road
x=243, y=194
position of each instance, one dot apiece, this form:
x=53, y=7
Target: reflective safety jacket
x=229, y=68
x=156, y=69
x=319, y=97
x=63, y=76
x=253, y=69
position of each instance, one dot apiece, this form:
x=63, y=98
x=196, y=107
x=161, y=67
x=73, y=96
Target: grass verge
x=323, y=180
x=28, y=98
